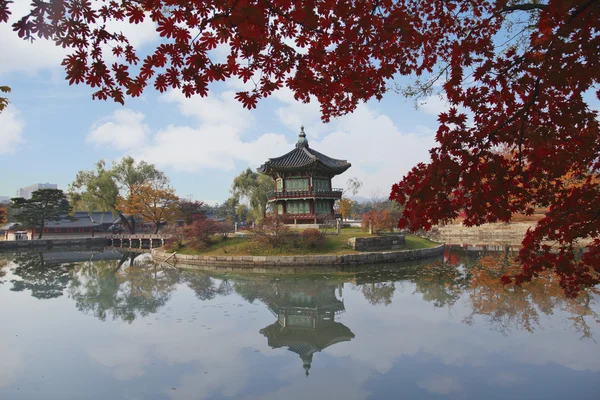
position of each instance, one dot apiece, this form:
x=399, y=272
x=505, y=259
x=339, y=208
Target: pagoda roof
x=304, y=341
x=303, y=158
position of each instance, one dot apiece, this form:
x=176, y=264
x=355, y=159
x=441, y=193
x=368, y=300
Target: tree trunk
x=130, y=227
x=157, y=227
x=41, y=232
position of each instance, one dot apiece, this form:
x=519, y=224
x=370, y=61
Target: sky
x=51, y=130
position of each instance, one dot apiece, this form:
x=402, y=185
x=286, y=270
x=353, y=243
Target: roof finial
x=302, y=138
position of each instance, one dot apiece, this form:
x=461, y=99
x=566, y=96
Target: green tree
x=45, y=205
x=253, y=188
x=99, y=189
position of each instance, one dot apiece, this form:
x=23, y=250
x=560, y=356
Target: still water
x=84, y=325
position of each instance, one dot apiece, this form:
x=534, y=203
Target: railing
x=300, y=194
x=309, y=216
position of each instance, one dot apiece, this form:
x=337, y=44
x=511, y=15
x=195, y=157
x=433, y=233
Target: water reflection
x=434, y=328
x=44, y=277
x=305, y=312
x=121, y=288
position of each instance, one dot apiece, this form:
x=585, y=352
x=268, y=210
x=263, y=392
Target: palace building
x=303, y=193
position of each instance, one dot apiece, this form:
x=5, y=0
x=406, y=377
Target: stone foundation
x=291, y=263
x=377, y=243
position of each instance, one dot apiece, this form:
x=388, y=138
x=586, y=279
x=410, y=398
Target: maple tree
x=529, y=93
x=3, y=100
x=2, y=214
x=158, y=205
x=200, y=232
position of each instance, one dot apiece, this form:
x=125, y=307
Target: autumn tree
x=99, y=189
x=45, y=205
x=515, y=73
x=380, y=221
x=157, y=205
x=346, y=206
x=2, y=215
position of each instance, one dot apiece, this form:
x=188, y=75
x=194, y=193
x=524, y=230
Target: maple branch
x=302, y=24
x=524, y=7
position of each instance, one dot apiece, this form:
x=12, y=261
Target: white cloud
x=11, y=129
x=294, y=114
x=442, y=385
x=434, y=105
x=379, y=153
x=216, y=142
x=123, y=130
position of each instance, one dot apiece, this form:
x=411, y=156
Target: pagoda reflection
x=305, y=314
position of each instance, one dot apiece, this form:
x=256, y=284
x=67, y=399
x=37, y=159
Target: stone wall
x=291, y=263
x=492, y=234
x=30, y=244
x=377, y=243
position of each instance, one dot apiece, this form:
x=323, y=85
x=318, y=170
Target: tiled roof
x=102, y=217
x=84, y=222
x=303, y=157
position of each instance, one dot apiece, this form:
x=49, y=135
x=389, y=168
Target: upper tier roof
x=304, y=158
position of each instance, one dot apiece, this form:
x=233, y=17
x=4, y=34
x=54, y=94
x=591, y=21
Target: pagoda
x=303, y=183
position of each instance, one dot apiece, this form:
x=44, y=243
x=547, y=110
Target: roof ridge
x=307, y=151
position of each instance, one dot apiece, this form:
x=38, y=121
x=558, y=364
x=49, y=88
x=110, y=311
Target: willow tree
x=253, y=188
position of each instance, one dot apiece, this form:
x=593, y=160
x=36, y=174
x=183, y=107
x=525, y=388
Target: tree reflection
x=122, y=290
x=441, y=283
x=519, y=307
x=3, y=268
x=205, y=287
x=45, y=279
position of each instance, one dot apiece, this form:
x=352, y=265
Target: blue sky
x=52, y=130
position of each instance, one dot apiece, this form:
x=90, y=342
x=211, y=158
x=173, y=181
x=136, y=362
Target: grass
x=334, y=244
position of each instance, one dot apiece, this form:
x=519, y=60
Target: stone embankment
x=493, y=234
x=291, y=263
x=49, y=243
x=377, y=243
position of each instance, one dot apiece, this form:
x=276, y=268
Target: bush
x=273, y=232
x=176, y=237
x=199, y=232
x=312, y=238
x=224, y=229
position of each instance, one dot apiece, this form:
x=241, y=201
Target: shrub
x=176, y=236
x=199, y=232
x=273, y=232
x=312, y=238
x=224, y=229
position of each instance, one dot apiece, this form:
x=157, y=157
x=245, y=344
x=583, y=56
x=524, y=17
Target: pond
x=104, y=325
